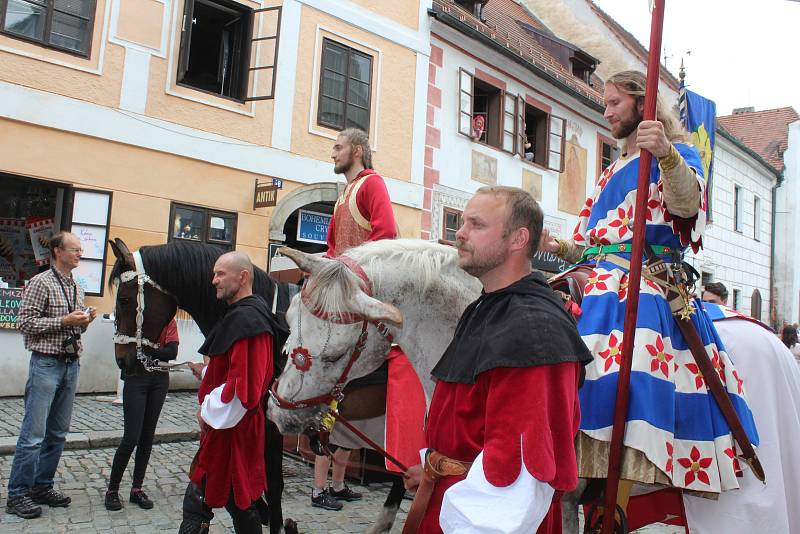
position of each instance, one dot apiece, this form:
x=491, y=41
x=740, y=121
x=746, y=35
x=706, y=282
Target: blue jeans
x=49, y=395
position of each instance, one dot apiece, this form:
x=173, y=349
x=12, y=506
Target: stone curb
x=99, y=439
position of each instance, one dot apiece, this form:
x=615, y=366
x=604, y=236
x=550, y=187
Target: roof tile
x=766, y=132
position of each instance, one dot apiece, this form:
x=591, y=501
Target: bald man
x=228, y=469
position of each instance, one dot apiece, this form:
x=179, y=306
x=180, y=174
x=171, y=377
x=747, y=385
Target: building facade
x=738, y=244
x=509, y=103
x=153, y=120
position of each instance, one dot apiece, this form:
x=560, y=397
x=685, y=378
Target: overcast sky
x=743, y=52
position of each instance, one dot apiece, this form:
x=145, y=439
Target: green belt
x=622, y=248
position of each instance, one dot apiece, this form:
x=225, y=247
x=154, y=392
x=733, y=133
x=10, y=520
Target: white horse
x=419, y=291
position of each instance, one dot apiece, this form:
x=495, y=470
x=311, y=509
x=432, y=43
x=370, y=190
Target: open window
x=482, y=112
x=217, y=46
x=607, y=153
x=533, y=135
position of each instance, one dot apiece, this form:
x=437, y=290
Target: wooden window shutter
x=465, y=91
x=264, y=50
x=555, y=144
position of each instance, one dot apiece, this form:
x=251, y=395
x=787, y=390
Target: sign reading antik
x=266, y=196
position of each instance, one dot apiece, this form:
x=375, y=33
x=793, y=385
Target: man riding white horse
x=675, y=434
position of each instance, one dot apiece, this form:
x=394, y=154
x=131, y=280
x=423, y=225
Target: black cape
x=247, y=317
x=522, y=325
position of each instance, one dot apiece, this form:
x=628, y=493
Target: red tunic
x=538, y=403
x=234, y=457
x=362, y=213
x=169, y=334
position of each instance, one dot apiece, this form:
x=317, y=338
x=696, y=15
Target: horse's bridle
x=141, y=278
x=341, y=318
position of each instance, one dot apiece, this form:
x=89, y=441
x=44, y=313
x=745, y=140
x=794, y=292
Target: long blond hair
x=633, y=82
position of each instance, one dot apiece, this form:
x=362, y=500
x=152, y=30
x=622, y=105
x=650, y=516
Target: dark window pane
x=357, y=118
x=220, y=228
x=335, y=58
x=69, y=32
x=358, y=94
x=360, y=67
x=25, y=18
x=82, y=8
x=331, y=112
x=333, y=84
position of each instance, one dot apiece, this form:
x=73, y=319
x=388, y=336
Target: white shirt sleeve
x=474, y=506
x=219, y=415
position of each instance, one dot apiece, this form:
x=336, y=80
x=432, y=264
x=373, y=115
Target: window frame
x=204, y=235
x=736, y=295
x=738, y=208
x=601, y=141
x=70, y=207
x=350, y=50
x=49, y=10
x=757, y=218
x=459, y=219
x=247, y=40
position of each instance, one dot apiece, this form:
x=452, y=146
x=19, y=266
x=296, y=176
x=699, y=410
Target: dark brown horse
x=178, y=275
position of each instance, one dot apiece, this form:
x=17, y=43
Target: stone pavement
x=85, y=467
x=96, y=422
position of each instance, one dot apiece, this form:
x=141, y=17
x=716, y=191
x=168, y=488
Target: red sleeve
x=374, y=203
x=533, y=411
x=250, y=371
x=169, y=334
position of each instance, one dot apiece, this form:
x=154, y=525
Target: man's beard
x=343, y=167
x=626, y=127
x=480, y=264
x=225, y=294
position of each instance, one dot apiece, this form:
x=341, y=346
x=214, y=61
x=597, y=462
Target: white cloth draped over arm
x=218, y=414
x=474, y=506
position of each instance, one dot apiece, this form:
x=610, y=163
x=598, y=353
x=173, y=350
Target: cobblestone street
x=83, y=474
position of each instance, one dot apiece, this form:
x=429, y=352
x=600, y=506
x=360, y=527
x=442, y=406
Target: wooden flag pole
x=635, y=278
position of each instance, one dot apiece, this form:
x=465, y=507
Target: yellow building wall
x=249, y=121
x=144, y=183
x=393, y=91
x=406, y=12
x=140, y=21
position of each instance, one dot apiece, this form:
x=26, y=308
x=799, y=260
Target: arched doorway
x=755, y=304
x=317, y=201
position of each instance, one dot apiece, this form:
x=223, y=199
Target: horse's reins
x=302, y=359
x=141, y=278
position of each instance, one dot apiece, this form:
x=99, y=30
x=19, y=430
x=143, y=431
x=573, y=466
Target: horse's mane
x=185, y=270
x=427, y=260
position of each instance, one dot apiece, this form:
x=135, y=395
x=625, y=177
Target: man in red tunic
x=228, y=470
x=362, y=213
x=505, y=407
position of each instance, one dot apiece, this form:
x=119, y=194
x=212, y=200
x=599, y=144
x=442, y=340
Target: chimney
x=748, y=109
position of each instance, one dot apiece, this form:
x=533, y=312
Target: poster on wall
x=40, y=231
x=89, y=274
x=13, y=244
x=93, y=240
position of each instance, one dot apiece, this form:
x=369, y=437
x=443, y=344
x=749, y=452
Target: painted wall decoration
x=572, y=182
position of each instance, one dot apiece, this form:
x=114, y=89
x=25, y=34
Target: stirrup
x=594, y=525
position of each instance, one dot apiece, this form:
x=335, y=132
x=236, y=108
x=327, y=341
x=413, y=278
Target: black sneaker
x=139, y=497
x=325, y=500
x=112, y=501
x=346, y=494
x=23, y=506
x=50, y=496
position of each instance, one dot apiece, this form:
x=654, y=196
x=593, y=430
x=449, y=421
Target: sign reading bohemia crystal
x=312, y=226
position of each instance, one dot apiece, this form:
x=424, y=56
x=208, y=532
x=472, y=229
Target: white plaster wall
x=738, y=259
x=454, y=158
x=787, y=222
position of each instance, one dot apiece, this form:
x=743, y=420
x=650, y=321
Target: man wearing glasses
x=51, y=318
